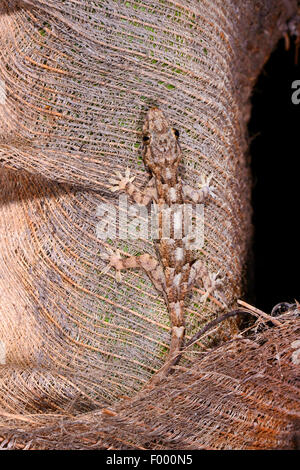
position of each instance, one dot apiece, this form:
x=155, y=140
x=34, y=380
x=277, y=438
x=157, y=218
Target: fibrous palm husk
x=75, y=83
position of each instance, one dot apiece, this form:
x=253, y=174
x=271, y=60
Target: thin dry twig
x=259, y=313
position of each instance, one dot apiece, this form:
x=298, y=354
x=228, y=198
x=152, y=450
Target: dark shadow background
x=275, y=137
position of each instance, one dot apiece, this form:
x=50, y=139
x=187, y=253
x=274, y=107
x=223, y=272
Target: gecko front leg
x=198, y=196
x=125, y=183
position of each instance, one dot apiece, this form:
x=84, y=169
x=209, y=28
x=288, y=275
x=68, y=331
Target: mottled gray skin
x=174, y=272
x=162, y=156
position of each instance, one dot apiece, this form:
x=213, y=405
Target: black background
x=274, y=131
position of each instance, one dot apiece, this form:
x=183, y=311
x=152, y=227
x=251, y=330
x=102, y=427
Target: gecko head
x=160, y=141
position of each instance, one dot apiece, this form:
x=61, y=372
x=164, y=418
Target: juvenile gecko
x=174, y=272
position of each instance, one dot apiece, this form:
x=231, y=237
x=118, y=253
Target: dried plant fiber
x=242, y=395
x=76, y=79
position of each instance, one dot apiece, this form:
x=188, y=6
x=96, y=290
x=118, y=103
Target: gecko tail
x=173, y=358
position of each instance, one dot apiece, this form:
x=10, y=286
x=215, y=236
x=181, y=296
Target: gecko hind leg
x=156, y=274
x=211, y=281
x=147, y=262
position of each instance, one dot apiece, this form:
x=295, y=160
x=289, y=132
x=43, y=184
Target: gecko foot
x=120, y=182
x=211, y=284
x=115, y=261
x=205, y=186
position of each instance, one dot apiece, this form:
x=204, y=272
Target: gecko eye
x=176, y=133
x=146, y=139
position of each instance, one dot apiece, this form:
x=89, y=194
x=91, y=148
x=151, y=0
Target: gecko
x=174, y=272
